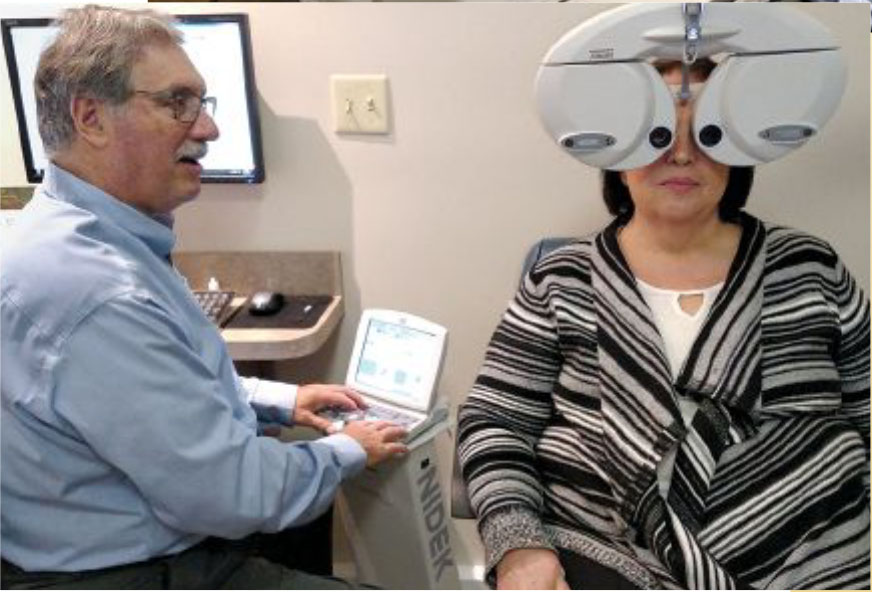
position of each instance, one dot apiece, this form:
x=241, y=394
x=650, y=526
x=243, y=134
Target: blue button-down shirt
x=125, y=431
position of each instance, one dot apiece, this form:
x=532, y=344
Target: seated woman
x=679, y=400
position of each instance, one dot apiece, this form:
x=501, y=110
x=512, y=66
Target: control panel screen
x=397, y=359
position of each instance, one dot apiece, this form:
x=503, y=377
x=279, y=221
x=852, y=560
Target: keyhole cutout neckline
x=687, y=303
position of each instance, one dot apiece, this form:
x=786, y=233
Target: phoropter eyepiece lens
x=660, y=137
x=710, y=135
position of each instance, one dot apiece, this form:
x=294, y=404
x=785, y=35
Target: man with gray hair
x=130, y=450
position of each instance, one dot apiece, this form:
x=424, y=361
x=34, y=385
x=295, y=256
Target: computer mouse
x=266, y=303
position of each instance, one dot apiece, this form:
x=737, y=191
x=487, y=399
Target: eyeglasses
x=185, y=106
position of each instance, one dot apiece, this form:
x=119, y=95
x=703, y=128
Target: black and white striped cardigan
x=575, y=406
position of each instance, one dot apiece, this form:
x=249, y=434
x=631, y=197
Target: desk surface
x=278, y=343
x=291, y=273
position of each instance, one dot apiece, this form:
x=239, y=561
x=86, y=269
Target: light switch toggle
x=360, y=103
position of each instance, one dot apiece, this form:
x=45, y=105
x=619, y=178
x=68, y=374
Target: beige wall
x=435, y=218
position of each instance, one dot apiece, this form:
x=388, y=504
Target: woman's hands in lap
x=530, y=569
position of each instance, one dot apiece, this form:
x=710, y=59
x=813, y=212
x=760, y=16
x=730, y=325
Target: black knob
x=568, y=142
x=710, y=135
x=660, y=137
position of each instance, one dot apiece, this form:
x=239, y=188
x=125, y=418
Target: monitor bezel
x=256, y=175
x=6, y=26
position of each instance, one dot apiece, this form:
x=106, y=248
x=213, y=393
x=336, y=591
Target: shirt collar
x=154, y=231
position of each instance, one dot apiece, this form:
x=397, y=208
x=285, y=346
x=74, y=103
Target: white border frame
x=408, y=320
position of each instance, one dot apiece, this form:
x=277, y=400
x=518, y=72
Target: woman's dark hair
x=618, y=200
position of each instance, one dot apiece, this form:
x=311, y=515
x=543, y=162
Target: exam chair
x=460, y=506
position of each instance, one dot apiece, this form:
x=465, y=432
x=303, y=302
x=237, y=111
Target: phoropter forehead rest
x=780, y=78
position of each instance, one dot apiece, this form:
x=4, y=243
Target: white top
x=679, y=330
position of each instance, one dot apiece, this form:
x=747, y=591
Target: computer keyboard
x=371, y=413
x=214, y=303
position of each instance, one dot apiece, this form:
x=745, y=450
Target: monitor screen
x=219, y=47
x=398, y=360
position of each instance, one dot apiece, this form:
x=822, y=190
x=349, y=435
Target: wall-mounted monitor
x=220, y=48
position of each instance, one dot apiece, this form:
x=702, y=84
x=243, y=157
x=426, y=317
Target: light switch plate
x=360, y=103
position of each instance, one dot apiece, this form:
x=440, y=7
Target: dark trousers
x=291, y=560
x=585, y=574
